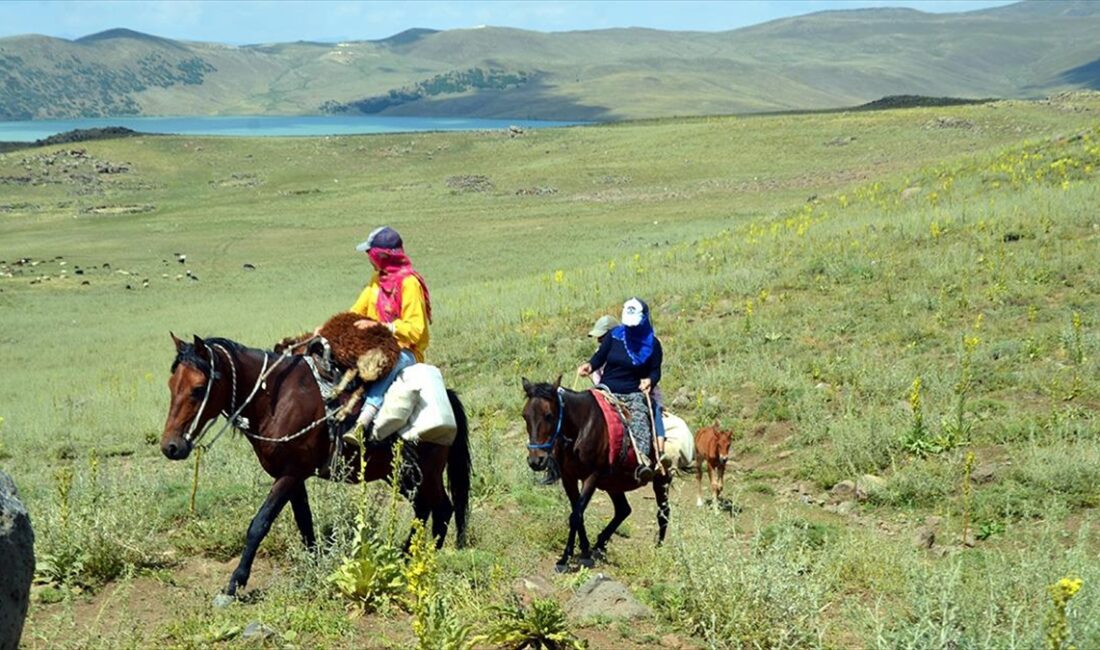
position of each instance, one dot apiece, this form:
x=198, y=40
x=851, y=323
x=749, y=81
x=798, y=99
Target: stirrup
x=355, y=436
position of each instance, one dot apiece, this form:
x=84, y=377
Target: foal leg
x=699, y=482
x=660, y=490
x=261, y=524
x=303, y=516
x=622, y=511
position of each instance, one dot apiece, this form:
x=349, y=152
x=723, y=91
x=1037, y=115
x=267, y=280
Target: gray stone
x=984, y=473
x=843, y=491
x=925, y=537
x=257, y=631
x=845, y=508
x=602, y=598
x=16, y=564
x=868, y=485
x=221, y=601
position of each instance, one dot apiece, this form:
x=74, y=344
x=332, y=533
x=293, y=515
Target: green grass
x=858, y=284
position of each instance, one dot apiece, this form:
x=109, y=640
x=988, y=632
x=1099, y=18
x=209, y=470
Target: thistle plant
x=1077, y=355
x=748, y=315
x=968, y=468
x=1058, y=632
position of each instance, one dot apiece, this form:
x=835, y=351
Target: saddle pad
x=616, y=434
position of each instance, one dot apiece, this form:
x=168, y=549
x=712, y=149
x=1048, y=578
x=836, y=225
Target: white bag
x=679, y=442
x=416, y=408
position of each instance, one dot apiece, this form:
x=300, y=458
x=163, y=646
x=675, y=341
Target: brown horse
x=568, y=429
x=712, y=448
x=274, y=401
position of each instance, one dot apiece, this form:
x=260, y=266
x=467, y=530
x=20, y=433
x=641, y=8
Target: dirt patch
x=120, y=209
x=238, y=180
x=469, y=183
x=537, y=191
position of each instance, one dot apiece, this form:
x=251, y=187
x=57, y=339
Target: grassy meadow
x=904, y=299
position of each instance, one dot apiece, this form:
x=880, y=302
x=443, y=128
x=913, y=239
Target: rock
x=969, y=540
x=925, y=537
x=257, y=631
x=910, y=192
x=845, y=507
x=843, y=491
x=869, y=484
x=221, y=601
x=784, y=455
x=933, y=521
x=16, y=563
x=984, y=473
x=530, y=588
x=605, y=599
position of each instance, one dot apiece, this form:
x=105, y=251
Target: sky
x=275, y=21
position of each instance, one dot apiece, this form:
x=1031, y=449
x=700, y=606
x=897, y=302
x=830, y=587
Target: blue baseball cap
x=384, y=237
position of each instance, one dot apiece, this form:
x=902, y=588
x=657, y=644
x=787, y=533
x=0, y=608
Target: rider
x=631, y=361
x=398, y=298
x=599, y=331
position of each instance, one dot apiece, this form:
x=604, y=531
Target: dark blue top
x=619, y=373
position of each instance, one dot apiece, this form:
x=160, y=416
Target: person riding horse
x=397, y=297
x=630, y=358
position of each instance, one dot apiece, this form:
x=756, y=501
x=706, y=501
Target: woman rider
x=631, y=358
x=398, y=298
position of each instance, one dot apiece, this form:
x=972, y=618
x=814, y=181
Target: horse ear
x=527, y=386
x=200, y=346
x=557, y=383
x=179, y=343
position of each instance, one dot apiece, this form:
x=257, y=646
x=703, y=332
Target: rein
x=549, y=444
x=235, y=419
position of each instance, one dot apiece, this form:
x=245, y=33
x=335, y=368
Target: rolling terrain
x=894, y=311
x=823, y=60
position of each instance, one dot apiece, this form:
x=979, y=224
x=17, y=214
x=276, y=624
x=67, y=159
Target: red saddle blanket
x=620, y=452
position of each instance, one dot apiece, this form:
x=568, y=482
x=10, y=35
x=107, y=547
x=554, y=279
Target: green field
x=803, y=272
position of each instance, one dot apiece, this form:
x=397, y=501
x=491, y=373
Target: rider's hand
x=645, y=384
x=584, y=369
x=365, y=323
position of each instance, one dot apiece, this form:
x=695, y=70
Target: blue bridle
x=549, y=444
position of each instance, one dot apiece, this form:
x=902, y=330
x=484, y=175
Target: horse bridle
x=190, y=436
x=549, y=444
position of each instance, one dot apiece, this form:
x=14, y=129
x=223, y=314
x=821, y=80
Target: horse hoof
x=561, y=568
x=599, y=554
x=586, y=562
x=221, y=601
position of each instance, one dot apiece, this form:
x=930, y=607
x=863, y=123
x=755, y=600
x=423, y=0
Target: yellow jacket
x=411, y=329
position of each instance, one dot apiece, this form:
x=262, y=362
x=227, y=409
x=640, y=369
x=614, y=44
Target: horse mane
x=543, y=390
x=189, y=355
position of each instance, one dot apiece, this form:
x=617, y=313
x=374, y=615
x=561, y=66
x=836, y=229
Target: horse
x=567, y=428
x=275, y=402
x=712, y=448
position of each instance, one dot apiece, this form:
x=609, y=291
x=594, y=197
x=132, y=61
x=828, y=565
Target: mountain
x=822, y=60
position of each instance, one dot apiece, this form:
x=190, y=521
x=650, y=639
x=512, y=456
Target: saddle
x=621, y=452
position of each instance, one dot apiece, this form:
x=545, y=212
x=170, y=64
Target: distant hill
x=823, y=60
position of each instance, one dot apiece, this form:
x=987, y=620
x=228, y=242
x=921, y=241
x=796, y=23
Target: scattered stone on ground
x=910, y=192
x=602, y=598
x=469, y=183
x=949, y=123
x=138, y=208
x=841, y=141
x=869, y=485
x=984, y=473
x=537, y=191
x=16, y=563
x=239, y=179
x=532, y=587
x=257, y=631
x=924, y=537
x=843, y=491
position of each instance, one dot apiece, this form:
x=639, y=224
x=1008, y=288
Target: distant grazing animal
x=712, y=448
x=364, y=354
x=278, y=407
x=568, y=429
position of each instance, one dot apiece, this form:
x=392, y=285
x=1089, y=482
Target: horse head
x=722, y=443
x=196, y=397
x=543, y=413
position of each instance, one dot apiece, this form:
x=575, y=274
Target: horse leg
x=303, y=516
x=719, y=481
x=699, y=482
x=571, y=491
x=622, y=511
x=261, y=524
x=588, y=488
x=660, y=490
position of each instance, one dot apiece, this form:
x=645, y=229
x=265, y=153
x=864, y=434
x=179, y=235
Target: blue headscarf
x=637, y=339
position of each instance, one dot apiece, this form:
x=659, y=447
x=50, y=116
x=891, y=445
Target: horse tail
x=459, y=468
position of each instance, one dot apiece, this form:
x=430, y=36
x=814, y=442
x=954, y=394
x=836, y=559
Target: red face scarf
x=393, y=267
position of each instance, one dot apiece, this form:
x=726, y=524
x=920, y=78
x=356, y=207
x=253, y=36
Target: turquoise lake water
x=263, y=125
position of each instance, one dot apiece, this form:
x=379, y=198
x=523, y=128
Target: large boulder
x=16, y=563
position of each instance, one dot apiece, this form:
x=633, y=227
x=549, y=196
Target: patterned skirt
x=638, y=426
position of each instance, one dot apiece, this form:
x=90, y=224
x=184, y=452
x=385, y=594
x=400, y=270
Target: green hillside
x=823, y=60
x=894, y=311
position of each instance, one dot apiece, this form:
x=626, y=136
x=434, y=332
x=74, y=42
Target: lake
x=263, y=125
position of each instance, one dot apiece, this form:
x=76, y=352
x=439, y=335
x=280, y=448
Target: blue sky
x=264, y=21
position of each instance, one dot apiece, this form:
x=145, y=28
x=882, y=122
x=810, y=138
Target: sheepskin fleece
x=349, y=344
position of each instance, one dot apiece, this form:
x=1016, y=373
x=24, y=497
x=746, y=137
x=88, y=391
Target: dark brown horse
x=275, y=403
x=568, y=429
